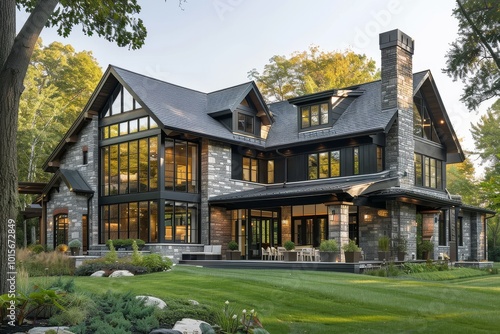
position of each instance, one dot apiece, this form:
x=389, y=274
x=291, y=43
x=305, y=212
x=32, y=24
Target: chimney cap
x=396, y=38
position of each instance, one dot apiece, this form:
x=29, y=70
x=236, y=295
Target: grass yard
x=325, y=302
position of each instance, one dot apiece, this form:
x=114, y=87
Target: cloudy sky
x=212, y=44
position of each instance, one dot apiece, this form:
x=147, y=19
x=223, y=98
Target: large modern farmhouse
x=181, y=169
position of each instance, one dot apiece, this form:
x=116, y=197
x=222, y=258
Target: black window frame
x=428, y=172
x=308, y=108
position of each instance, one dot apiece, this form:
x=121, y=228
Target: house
x=180, y=168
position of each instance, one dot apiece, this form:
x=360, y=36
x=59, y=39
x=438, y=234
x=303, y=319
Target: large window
x=246, y=123
x=61, y=226
x=428, y=172
x=423, y=124
x=130, y=167
x=121, y=101
x=181, y=222
x=323, y=165
x=181, y=166
x=128, y=127
x=135, y=220
x=314, y=115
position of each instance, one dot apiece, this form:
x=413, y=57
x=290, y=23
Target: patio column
x=338, y=226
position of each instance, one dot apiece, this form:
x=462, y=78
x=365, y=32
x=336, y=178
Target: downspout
x=89, y=220
x=286, y=167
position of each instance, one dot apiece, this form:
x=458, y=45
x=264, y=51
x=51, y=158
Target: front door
x=261, y=235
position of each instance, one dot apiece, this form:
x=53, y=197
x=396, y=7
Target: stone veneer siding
x=216, y=166
x=76, y=204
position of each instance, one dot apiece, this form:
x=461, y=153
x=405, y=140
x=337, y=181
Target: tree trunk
x=15, y=54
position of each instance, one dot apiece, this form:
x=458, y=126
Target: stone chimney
x=397, y=77
x=397, y=93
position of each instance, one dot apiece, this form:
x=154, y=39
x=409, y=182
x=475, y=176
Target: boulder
x=193, y=302
x=99, y=273
x=165, y=331
x=189, y=326
x=153, y=301
x=43, y=330
x=121, y=273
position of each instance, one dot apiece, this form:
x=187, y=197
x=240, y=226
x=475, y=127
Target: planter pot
x=329, y=256
x=290, y=256
x=352, y=256
x=75, y=251
x=384, y=256
x=401, y=256
x=233, y=255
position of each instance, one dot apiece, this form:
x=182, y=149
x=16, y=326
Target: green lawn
x=325, y=302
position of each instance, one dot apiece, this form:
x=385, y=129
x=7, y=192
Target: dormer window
x=314, y=115
x=246, y=123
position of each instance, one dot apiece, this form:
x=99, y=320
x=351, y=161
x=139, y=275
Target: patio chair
x=272, y=253
x=265, y=254
x=307, y=254
x=280, y=251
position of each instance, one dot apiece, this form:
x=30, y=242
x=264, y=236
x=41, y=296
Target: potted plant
x=290, y=254
x=426, y=248
x=329, y=250
x=352, y=251
x=233, y=252
x=402, y=246
x=384, y=244
x=62, y=248
x=74, y=246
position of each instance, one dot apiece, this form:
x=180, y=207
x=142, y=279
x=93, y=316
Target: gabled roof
x=425, y=82
x=73, y=180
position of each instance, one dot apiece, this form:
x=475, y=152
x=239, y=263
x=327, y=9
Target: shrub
x=37, y=248
x=90, y=267
x=75, y=243
x=155, y=263
x=178, y=309
x=111, y=256
x=127, y=243
x=329, y=246
x=384, y=243
x=232, y=245
x=289, y=245
x=62, y=248
x=351, y=247
x=118, y=313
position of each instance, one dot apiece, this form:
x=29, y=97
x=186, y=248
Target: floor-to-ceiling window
x=61, y=229
x=309, y=224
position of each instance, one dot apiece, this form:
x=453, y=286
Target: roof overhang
x=316, y=191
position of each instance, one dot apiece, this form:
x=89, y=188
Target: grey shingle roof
x=183, y=109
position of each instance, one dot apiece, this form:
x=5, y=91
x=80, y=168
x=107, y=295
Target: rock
x=153, y=301
x=165, y=331
x=121, y=273
x=193, y=302
x=43, y=330
x=99, y=273
x=188, y=326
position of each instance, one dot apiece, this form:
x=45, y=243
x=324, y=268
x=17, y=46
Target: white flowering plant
x=228, y=322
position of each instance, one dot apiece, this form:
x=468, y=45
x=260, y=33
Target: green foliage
x=351, y=247
x=473, y=57
x=329, y=245
x=155, y=263
x=178, y=309
x=118, y=313
x=494, y=254
x=127, y=243
x=36, y=248
x=402, y=244
x=289, y=245
x=91, y=266
x=44, y=264
x=75, y=243
x=136, y=256
x=227, y=321
x=232, y=245
x=384, y=243
x=312, y=71
x=111, y=256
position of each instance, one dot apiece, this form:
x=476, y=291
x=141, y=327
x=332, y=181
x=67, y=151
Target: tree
x=474, y=57
x=113, y=20
x=460, y=179
x=312, y=71
x=57, y=85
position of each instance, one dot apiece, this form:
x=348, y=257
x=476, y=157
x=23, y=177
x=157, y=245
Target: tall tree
x=474, y=57
x=113, y=20
x=312, y=71
x=57, y=85
x=460, y=179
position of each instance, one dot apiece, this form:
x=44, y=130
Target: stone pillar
x=338, y=226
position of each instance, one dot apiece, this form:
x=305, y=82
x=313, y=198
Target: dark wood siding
x=279, y=170
x=297, y=168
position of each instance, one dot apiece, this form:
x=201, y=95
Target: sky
x=212, y=44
